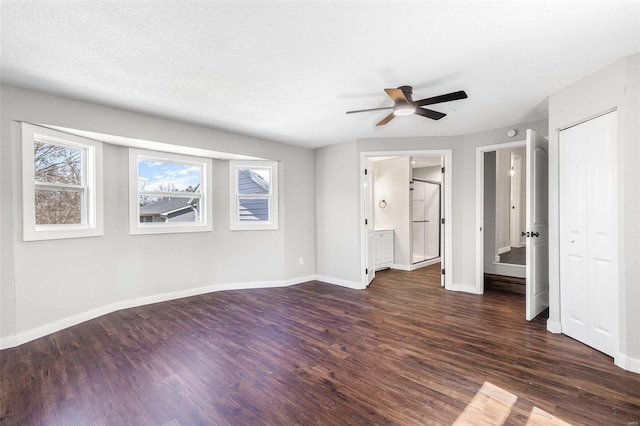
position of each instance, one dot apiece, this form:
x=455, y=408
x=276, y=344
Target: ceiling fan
x=403, y=104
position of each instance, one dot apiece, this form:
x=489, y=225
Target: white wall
x=392, y=185
x=615, y=86
x=337, y=214
x=432, y=173
x=46, y=285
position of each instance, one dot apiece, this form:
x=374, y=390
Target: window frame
x=91, y=187
x=234, y=222
x=136, y=227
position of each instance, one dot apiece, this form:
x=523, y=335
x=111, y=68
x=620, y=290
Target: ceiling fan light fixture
x=403, y=104
x=403, y=109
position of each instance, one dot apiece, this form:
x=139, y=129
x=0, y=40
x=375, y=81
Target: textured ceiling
x=288, y=71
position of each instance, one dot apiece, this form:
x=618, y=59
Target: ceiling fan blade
x=396, y=94
x=429, y=113
x=453, y=96
x=370, y=109
x=385, y=120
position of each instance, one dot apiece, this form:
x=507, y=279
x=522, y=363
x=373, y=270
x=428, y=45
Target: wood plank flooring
x=402, y=352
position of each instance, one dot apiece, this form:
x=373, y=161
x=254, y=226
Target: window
x=62, y=185
x=168, y=193
x=254, y=195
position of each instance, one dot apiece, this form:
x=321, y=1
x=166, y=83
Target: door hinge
x=366, y=222
x=443, y=272
x=442, y=221
x=365, y=171
x=366, y=271
x=442, y=170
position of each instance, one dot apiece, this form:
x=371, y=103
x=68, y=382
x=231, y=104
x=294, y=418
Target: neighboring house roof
x=165, y=206
x=252, y=183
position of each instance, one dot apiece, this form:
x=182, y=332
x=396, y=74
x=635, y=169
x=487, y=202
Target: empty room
x=320, y=212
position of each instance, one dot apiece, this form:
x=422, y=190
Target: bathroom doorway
x=387, y=238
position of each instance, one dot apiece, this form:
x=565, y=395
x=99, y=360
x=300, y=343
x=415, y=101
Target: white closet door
x=588, y=233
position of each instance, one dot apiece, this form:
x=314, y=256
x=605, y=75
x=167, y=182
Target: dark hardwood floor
x=404, y=352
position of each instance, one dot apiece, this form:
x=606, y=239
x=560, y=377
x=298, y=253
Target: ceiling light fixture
x=403, y=109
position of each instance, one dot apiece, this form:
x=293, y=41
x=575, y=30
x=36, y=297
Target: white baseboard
x=554, y=327
x=504, y=249
x=36, y=333
x=338, y=281
x=424, y=263
x=465, y=288
x=300, y=280
x=401, y=267
x=627, y=363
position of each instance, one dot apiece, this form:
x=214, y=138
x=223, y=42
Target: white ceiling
x=288, y=71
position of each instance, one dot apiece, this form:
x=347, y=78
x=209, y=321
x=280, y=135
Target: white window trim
x=234, y=222
x=92, y=214
x=144, y=228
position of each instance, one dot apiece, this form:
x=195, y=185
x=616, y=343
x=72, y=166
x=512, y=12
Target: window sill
x=149, y=229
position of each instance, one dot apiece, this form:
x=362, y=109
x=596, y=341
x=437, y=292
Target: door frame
x=446, y=254
x=480, y=151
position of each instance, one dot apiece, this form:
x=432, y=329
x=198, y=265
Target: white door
x=369, y=224
x=588, y=233
x=514, y=207
x=537, y=226
x=442, y=221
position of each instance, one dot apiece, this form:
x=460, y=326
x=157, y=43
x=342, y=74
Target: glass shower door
x=426, y=220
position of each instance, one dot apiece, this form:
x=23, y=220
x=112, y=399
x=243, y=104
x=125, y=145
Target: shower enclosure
x=426, y=220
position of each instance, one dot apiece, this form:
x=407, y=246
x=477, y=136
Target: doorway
x=430, y=244
x=504, y=211
x=536, y=224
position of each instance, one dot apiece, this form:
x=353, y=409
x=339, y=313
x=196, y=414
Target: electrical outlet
x=301, y=261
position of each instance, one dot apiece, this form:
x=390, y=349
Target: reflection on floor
x=515, y=256
x=492, y=405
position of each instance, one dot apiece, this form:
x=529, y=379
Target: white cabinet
x=383, y=249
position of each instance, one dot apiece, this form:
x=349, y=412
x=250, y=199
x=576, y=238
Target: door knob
x=523, y=234
x=535, y=234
